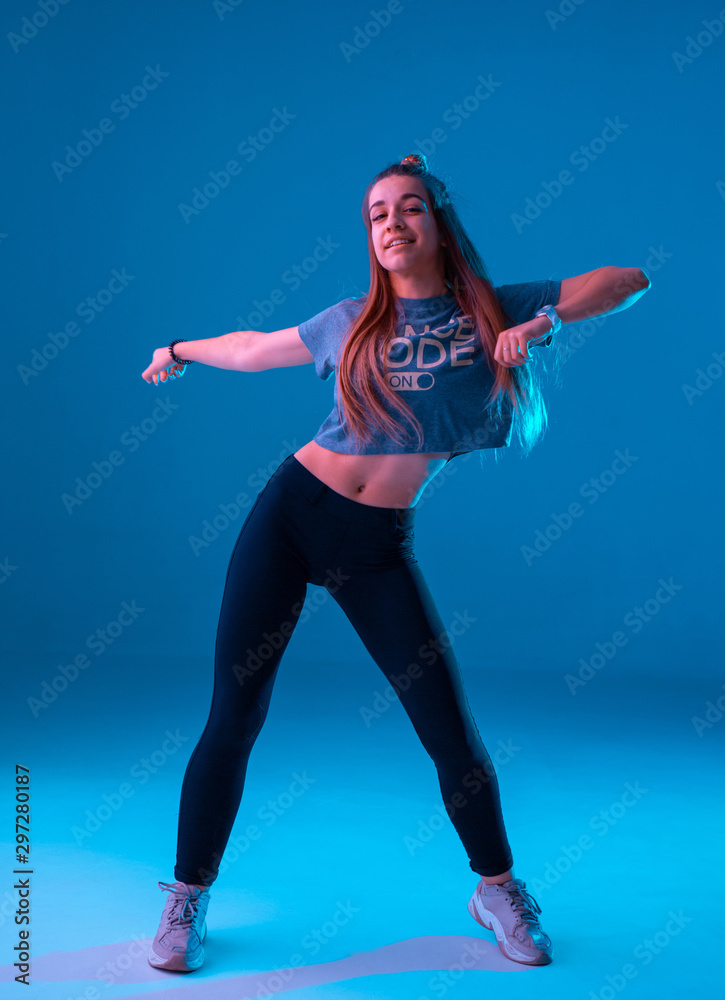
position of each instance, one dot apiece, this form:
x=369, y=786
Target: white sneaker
x=178, y=942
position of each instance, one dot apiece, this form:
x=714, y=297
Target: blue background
x=653, y=197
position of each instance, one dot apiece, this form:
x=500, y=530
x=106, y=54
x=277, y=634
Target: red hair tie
x=418, y=159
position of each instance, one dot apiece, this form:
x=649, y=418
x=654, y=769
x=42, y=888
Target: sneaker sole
x=508, y=949
x=177, y=962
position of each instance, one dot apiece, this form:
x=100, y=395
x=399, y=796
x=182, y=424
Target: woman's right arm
x=242, y=351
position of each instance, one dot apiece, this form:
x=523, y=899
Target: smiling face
x=400, y=209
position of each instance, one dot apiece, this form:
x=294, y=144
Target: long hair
x=360, y=373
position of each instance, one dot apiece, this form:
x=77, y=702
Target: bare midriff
x=376, y=480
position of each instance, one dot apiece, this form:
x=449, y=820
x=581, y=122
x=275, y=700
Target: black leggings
x=301, y=531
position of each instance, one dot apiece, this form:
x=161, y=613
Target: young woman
x=431, y=363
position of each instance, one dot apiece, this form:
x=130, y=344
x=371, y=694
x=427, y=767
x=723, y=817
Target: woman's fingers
x=512, y=347
x=163, y=368
x=169, y=374
x=524, y=349
x=165, y=374
x=515, y=353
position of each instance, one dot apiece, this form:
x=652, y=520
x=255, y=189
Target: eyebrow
x=409, y=195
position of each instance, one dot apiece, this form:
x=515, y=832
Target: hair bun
x=416, y=159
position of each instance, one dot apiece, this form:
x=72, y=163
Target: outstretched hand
x=162, y=369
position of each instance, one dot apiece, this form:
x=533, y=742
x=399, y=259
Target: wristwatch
x=545, y=339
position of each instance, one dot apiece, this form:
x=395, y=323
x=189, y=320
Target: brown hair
x=360, y=376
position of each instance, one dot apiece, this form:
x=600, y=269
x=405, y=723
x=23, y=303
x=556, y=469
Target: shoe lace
x=184, y=907
x=522, y=902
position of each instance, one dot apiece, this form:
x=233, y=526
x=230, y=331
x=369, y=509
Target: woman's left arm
x=600, y=292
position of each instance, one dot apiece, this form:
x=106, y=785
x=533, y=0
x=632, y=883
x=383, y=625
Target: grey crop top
x=437, y=366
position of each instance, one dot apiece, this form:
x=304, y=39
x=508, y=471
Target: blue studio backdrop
x=192, y=168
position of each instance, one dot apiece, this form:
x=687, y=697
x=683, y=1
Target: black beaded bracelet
x=178, y=361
